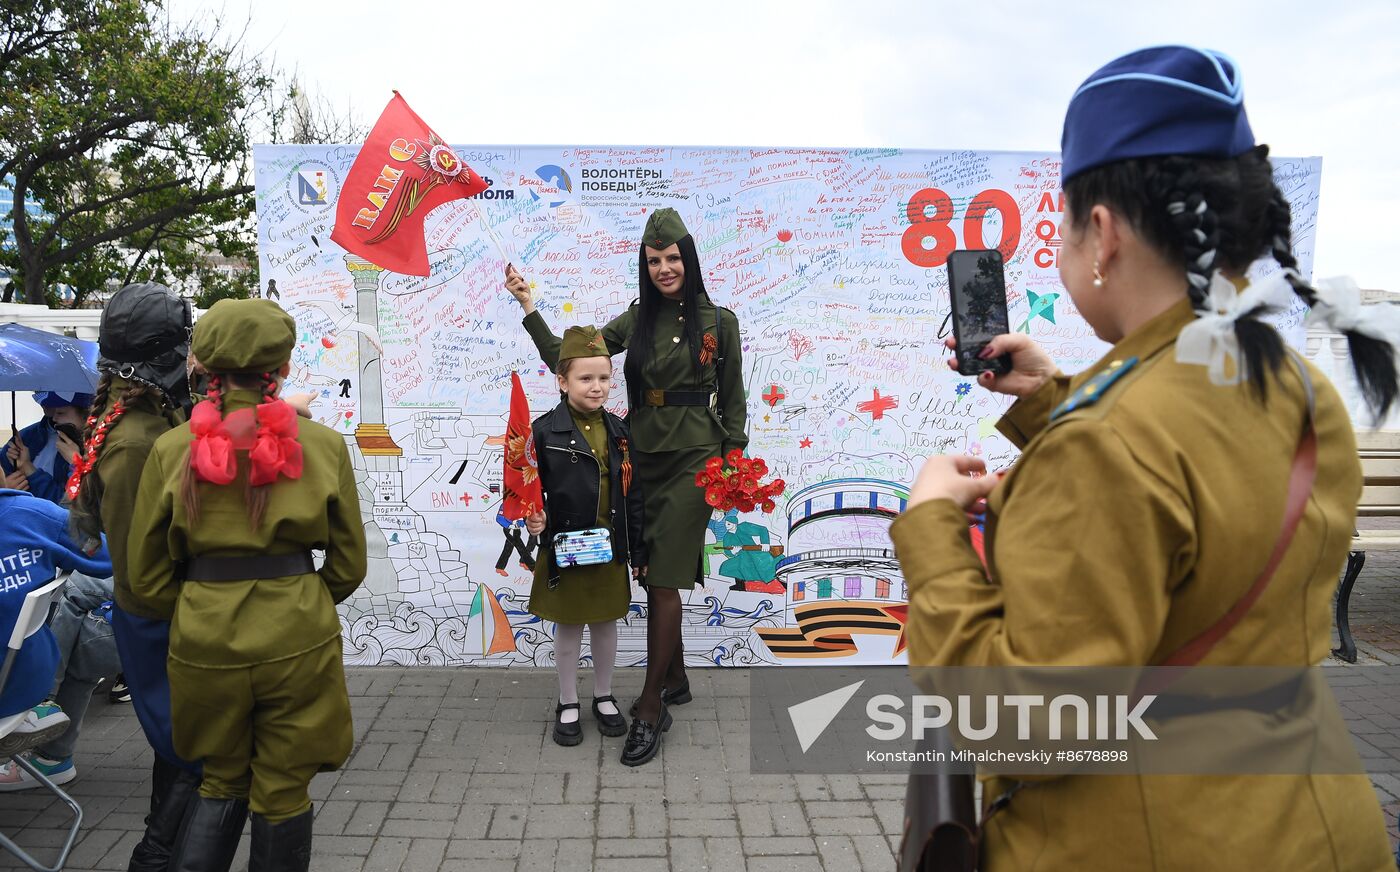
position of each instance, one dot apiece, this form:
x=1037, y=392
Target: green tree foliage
x=133, y=134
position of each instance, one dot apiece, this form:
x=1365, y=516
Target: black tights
x=665, y=650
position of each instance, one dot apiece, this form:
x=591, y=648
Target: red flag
x=522, y=473
x=403, y=172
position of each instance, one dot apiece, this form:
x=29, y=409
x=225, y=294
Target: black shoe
x=209, y=836
x=172, y=793
x=566, y=734
x=679, y=696
x=120, y=692
x=609, y=725
x=644, y=740
x=281, y=847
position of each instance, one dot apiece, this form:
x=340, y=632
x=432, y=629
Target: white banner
x=832, y=259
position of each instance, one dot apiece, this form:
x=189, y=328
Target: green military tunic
x=585, y=594
x=257, y=684
x=1132, y=521
x=118, y=474
x=672, y=443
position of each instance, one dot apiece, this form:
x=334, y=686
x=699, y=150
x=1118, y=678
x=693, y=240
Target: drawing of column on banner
x=405, y=558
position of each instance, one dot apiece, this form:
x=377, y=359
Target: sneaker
x=43, y=723
x=14, y=777
x=119, y=692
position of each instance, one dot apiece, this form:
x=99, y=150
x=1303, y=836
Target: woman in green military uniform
x=230, y=507
x=1145, y=508
x=686, y=404
x=595, y=493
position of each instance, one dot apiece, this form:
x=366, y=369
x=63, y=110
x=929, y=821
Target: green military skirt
x=676, y=514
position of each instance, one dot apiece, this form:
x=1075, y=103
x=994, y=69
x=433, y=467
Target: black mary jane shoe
x=644, y=740
x=566, y=734
x=609, y=724
x=679, y=696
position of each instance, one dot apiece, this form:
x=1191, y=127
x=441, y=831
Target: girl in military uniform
x=686, y=404
x=144, y=343
x=598, y=492
x=230, y=507
x=1174, y=453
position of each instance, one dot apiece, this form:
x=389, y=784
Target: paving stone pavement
x=454, y=769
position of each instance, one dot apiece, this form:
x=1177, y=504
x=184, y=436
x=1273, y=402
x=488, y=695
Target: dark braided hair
x=85, y=507
x=1222, y=213
x=642, y=345
x=256, y=497
x=189, y=488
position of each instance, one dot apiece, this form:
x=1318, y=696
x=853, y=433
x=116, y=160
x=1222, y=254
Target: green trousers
x=263, y=731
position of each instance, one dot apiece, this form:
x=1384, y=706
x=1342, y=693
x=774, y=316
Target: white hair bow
x=1339, y=307
x=1210, y=340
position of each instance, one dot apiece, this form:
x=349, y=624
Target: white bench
x=1380, y=498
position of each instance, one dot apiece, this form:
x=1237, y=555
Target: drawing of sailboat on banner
x=487, y=623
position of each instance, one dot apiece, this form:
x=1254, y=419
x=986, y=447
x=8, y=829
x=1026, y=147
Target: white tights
x=568, y=646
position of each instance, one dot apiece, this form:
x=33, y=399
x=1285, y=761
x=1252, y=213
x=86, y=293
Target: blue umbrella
x=37, y=360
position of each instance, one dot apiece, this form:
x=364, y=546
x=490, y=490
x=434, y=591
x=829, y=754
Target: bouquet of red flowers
x=733, y=482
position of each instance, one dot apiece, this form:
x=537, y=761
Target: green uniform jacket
x=118, y=474
x=241, y=623
x=1127, y=527
x=667, y=428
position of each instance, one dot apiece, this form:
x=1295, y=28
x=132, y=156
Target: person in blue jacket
x=40, y=460
x=34, y=546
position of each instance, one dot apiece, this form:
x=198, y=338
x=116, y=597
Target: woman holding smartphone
x=686, y=399
x=1141, y=523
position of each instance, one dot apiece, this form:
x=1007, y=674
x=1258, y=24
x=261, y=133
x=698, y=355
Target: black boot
x=644, y=739
x=281, y=847
x=209, y=836
x=172, y=788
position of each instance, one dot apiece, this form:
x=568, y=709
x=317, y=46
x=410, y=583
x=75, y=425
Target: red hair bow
x=211, y=450
x=276, y=450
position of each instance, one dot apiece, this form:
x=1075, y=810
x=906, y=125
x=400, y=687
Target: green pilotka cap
x=664, y=229
x=582, y=342
x=244, y=336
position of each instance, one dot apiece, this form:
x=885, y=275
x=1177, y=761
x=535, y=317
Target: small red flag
x=403, y=172
x=522, y=474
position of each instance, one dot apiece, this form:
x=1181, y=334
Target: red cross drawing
x=466, y=499
x=878, y=405
x=773, y=395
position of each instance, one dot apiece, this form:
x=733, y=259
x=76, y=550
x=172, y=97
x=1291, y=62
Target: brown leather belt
x=248, y=567
x=681, y=398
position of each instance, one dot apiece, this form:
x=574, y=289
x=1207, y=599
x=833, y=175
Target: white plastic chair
x=32, y=616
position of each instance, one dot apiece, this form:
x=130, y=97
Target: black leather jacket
x=569, y=476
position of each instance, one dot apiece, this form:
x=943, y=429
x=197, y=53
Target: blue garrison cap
x=1171, y=99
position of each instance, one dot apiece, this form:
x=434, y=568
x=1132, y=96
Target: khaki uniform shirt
x=1126, y=528
x=240, y=623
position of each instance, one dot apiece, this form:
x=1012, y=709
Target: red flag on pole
x=403, y=172
x=522, y=474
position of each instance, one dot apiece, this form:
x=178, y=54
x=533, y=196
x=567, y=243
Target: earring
x=1098, y=276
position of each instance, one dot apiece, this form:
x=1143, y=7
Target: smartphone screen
x=977, y=288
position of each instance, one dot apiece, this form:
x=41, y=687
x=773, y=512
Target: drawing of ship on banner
x=488, y=624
